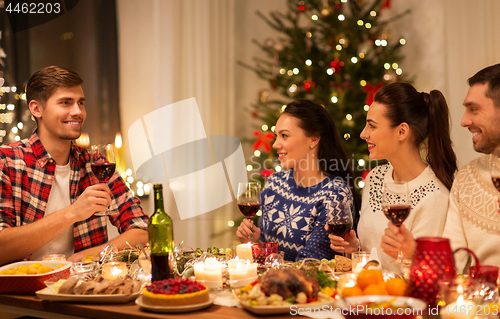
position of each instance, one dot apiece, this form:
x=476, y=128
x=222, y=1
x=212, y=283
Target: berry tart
x=175, y=292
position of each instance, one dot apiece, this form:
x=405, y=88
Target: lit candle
x=114, y=270
x=213, y=273
x=238, y=276
x=461, y=309
x=232, y=263
x=244, y=251
x=252, y=270
x=199, y=270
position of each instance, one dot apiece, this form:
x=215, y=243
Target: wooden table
x=34, y=306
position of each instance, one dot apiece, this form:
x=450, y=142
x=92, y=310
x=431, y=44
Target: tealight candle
x=199, y=270
x=244, y=251
x=461, y=309
x=252, y=270
x=233, y=263
x=114, y=270
x=213, y=273
x=238, y=276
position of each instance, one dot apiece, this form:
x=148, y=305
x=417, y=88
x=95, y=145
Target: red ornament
x=372, y=90
x=264, y=141
x=255, y=114
x=301, y=7
x=309, y=85
x=337, y=65
x=365, y=173
x=387, y=4
x=274, y=84
x=266, y=173
x=337, y=6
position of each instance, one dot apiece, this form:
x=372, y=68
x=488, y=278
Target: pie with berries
x=175, y=292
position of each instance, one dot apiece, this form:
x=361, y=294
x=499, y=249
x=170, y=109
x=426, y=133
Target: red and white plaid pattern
x=26, y=176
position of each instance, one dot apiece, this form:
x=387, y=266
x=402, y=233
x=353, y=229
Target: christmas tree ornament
x=302, y=6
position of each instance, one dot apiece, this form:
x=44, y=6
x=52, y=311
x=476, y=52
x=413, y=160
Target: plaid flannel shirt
x=26, y=176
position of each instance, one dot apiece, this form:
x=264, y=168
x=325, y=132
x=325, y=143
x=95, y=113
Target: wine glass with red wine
x=249, y=199
x=495, y=168
x=103, y=166
x=396, y=205
x=340, y=227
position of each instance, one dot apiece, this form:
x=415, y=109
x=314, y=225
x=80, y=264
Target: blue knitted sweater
x=295, y=216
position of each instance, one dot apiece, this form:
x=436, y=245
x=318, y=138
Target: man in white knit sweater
x=473, y=219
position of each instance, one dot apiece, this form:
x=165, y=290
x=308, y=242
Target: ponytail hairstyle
x=316, y=121
x=428, y=117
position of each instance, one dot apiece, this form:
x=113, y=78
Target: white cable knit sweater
x=429, y=199
x=473, y=218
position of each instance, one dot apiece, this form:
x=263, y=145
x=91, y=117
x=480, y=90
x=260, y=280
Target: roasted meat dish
x=288, y=283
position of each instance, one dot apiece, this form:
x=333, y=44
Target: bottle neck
x=159, y=200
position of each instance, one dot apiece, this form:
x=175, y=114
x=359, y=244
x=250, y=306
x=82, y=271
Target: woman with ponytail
x=314, y=183
x=411, y=130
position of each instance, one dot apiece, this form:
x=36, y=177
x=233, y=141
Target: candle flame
x=460, y=300
x=118, y=140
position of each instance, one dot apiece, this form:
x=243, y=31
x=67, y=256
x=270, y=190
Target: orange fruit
x=352, y=291
x=396, y=287
x=368, y=277
x=375, y=289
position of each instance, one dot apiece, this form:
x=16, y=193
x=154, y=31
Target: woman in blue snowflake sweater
x=314, y=182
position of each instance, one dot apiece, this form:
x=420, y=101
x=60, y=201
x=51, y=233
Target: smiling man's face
x=482, y=118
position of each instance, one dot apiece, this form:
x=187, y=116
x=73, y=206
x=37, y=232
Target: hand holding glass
x=396, y=204
x=103, y=166
x=249, y=199
x=340, y=227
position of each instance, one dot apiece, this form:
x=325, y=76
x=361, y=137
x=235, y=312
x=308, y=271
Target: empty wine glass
x=249, y=199
x=103, y=166
x=339, y=225
x=396, y=204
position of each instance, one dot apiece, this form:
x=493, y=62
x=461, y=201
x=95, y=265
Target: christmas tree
x=335, y=53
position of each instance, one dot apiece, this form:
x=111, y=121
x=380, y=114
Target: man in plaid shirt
x=48, y=193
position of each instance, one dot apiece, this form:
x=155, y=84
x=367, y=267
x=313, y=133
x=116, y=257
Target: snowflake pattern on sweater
x=295, y=216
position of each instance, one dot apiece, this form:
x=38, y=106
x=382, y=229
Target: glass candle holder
x=361, y=258
x=59, y=257
x=485, y=273
x=260, y=251
x=114, y=270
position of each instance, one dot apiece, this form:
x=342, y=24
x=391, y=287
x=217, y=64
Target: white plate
x=175, y=309
x=48, y=294
x=276, y=310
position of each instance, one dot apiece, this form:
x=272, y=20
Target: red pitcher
x=433, y=261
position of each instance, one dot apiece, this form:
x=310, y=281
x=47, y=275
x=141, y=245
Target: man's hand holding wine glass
x=94, y=198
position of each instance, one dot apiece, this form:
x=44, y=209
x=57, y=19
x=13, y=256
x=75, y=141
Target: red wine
x=496, y=182
x=249, y=209
x=340, y=228
x=103, y=171
x=397, y=214
x=161, y=266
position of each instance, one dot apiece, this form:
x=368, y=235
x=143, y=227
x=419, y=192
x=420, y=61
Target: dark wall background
x=84, y=40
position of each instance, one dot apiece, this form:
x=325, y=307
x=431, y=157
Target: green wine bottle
x=161, y=240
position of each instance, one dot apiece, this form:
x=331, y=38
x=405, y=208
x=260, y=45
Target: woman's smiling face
x=381, y=137
x=292, y=144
